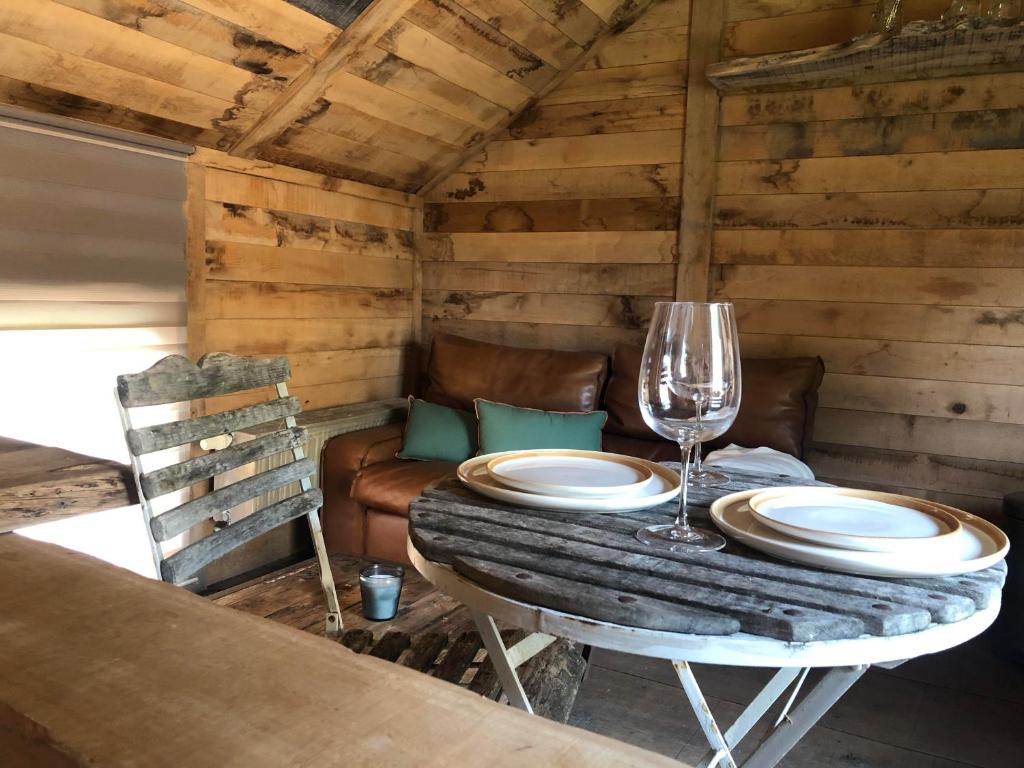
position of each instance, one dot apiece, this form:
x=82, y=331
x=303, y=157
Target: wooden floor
x=951, y=710
x=954, y=709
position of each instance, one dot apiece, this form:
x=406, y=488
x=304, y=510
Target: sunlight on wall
x=65, y=398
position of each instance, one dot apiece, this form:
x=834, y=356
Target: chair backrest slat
x=176, y=379
x=192, y=471
x=185, y=563
x=157, y=438
x=180, y=519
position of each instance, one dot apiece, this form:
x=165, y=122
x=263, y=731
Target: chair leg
x=333, y=619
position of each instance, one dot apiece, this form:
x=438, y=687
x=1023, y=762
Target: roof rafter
x=629, y=11
x=302, y=95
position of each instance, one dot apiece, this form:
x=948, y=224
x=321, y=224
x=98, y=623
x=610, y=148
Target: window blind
x=92, y=274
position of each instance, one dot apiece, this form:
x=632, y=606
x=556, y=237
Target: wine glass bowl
x=689, y=392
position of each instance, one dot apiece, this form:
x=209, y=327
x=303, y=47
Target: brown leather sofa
x=367, y=490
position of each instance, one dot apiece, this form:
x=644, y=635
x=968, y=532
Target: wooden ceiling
x=394, y=93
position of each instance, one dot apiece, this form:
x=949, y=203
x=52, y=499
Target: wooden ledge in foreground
x=39, y=483
x=99, y=666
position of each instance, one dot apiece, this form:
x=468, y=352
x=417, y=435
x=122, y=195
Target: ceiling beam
x=621, y=20
x=299, y=97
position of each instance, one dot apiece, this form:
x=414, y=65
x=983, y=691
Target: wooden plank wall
x=562, y=232
x=881, y=228
x=315, y=268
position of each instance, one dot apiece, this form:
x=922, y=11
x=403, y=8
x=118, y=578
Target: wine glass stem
x=681, y=517
x=697, y=464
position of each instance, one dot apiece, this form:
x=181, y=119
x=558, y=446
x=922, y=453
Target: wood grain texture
x=562, y=231
x=877, y=224
x=180, y=519
x=437, y=633
x=171, y=628
x=295, y=100
x=191, y=471
x=543, y=556
x=696, y=221
x=312, y=267
x=176, y=378
x=162, y=436
x=39, y=483
x=187, y=561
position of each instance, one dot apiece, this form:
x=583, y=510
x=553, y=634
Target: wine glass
x=705, y=478
x=689, y=390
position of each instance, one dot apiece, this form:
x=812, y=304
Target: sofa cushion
x=437, y=432
x=776, y=410
x=390, y=485
x=462, y=369
x=508, y=428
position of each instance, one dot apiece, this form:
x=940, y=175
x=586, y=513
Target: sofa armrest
x=343, y=458
x=346, y=454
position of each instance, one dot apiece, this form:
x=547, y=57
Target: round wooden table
x=582, y=577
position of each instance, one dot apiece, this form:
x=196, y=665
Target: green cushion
x=436, y=433
x=507, y=428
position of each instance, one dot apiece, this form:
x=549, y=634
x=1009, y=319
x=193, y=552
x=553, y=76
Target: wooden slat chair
x=177, y=379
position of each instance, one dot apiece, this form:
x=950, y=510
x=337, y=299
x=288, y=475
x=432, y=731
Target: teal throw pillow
x=436, y=433
x=507, y=428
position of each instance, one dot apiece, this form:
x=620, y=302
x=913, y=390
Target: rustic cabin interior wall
x=315, y=268
x=876, y=225
x=562, y=231
x=880, y=226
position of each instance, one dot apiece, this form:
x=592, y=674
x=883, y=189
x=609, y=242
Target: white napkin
x=762, y=460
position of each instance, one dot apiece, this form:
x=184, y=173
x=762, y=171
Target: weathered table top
x=40, y=483
x=591, y=565
x=99, y=666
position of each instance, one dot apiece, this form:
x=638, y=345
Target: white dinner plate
x=851, y=518
x=569, y=473
x=980, y=545
x=664, y=486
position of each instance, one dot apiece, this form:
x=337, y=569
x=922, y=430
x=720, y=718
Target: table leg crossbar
x=505, y=660
x=790, y=725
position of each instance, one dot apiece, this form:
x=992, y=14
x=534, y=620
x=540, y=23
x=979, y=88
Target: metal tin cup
x=381, y=587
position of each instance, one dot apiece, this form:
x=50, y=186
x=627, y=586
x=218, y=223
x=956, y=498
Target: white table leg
x=704, y=716
x=503, y=664
x=808, y=712
x=749, y=717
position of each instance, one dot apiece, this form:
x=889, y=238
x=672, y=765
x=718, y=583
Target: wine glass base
x=708, y=478
x=674, y=536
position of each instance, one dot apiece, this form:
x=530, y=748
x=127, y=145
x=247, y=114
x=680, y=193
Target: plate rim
x=587, y=491
x=988, y=528
x=892, y=543
x=656, y=468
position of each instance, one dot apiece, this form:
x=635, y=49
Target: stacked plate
x=862, y=532
x=570, y=481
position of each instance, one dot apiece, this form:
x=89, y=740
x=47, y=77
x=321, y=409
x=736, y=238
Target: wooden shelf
x=922, y=49
x=39, y=483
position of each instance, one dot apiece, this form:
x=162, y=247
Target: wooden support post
x=195, y=266
x=700, y=154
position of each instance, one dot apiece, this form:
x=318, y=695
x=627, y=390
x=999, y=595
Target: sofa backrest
x=777, y=408
x=462, y=369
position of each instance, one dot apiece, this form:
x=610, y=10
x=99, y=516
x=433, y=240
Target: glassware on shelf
x=689, y=390
x=962, y=10
x=1005, y=11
